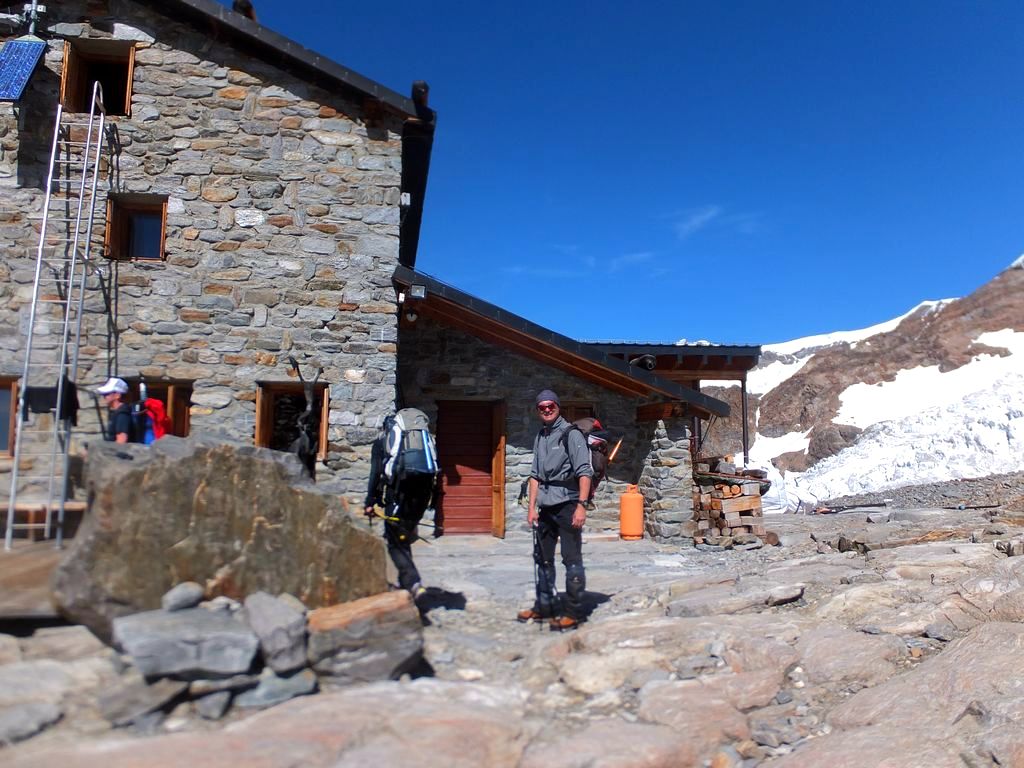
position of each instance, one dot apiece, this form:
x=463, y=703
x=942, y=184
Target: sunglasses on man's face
x=547, y=407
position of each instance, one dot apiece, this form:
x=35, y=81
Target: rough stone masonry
x=282, y=224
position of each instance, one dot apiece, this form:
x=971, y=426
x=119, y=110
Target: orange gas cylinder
x=631, y=514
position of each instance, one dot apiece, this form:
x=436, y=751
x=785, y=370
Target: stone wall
x=438, y=363
x=282, y=232
x=667, y=482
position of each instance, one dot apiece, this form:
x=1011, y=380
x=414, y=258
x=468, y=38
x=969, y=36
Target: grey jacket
x=558, y=472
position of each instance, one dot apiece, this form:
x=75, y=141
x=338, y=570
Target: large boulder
x=234, y=518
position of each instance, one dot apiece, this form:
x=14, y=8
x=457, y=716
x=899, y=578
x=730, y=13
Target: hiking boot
x=529, y=614
x=562, y=623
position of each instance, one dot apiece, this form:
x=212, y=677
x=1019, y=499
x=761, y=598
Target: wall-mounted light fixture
x=417, y=291
x=412, y=316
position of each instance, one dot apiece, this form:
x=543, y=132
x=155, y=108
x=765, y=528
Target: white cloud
x=627, y=259
x=695, y=219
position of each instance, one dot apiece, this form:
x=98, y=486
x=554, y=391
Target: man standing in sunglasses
x=559, y=482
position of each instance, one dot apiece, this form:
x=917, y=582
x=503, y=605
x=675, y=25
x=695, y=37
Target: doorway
x=471, y=452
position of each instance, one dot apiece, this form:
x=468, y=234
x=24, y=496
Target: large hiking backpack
x=149, y=421
x=411, y=467
x=597, y=442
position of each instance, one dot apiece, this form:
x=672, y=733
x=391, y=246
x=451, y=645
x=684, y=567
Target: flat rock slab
x=64, y=643
x=374, y=638
x=835, y=654
x=611, y=743
x=895, y=745
x=42, y=680
x=194, y=642
x=978, y=670
x=20, y=721
x=425, y=724
x=680, y=706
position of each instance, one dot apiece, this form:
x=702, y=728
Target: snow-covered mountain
x=935, y=394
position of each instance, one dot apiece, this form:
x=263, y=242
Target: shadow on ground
x=435, y=597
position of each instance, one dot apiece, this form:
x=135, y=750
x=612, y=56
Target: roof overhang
x=455, y=309
x=212, y=17
x=684, y=363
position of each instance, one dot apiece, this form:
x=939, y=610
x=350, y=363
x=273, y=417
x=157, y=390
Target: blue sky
x=741, y=172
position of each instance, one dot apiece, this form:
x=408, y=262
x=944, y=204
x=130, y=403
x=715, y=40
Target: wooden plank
x=741, y=504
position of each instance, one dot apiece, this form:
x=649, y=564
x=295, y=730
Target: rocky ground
x=983, y=492
x=791, y=657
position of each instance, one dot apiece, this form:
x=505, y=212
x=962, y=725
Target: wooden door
x=471, y=452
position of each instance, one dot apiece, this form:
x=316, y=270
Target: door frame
x=498, y=443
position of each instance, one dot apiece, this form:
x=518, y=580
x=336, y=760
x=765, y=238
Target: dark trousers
x=554, y=524
x=399, y=537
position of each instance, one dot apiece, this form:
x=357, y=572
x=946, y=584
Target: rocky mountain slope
x=938, y=381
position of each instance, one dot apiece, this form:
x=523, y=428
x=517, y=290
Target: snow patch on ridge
x=762, y=380
x=918, y=389
x=826, y=339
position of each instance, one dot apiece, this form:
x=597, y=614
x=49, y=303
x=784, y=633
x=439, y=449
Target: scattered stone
x=235, y=683
x=191, y=643
x=940, y=630
x=274, y=689
x=213, y=705
x=281, y=630
x=131, y=702
x=188, y=594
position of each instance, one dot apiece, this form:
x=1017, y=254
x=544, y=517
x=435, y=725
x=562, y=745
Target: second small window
x=136, y=226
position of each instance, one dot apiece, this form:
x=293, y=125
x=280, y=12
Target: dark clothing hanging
x=44, y=400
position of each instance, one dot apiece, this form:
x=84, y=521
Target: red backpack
x=157, y=417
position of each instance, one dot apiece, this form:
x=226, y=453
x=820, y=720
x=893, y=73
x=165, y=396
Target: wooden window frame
x=177, y=397
x=10, y=383
x=571, y=410
x=267, y=391
x=120, y=209
x=75, y=88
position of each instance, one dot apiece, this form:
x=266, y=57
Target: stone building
x=468, y=363
x=253, y=202
x=258, y=202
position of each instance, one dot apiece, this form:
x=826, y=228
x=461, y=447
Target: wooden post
x=743, y=408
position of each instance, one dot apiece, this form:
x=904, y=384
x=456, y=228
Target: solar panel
x=17, y=60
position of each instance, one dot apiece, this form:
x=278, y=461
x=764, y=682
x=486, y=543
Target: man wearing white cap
x=119, y=425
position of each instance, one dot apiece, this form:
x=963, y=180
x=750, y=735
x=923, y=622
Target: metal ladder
x=43, y=440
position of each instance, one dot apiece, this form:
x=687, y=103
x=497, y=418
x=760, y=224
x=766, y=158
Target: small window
x=278, y=408
x=176, y=397
x=136, y=226
x=8, y=414
x=574, y=410
x=109, y=62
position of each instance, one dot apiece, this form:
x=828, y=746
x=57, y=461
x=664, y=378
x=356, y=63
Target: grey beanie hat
x=546, y=394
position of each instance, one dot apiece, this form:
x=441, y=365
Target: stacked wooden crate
x=727, y=504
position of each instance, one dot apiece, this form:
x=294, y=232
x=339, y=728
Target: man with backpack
x=403, y=476
x=559, y=485
x=120, y=423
